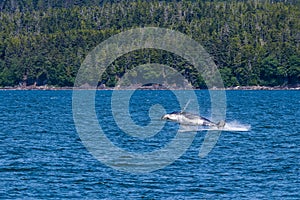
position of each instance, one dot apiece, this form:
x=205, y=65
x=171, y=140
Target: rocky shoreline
x=296, y=87
x=264, y=88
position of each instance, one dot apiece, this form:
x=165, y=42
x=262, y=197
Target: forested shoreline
x=252, y=42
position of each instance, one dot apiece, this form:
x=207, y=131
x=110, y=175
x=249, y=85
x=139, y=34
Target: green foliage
x=252, y=42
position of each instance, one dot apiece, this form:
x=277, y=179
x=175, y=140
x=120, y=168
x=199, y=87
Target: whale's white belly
x=195, y=121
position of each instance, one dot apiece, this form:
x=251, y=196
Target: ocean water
x=42, y=155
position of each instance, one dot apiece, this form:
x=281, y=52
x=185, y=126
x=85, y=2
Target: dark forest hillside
x=252, y=42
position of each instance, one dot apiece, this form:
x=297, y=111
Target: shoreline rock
x=46, y=87
x=263, y=88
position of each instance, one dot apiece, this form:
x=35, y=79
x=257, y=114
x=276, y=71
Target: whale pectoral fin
x=221, y=124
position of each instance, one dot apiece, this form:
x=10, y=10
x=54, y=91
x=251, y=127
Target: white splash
x=236, y=126
x=233, y=126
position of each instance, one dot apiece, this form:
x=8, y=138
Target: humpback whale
x=186, y=118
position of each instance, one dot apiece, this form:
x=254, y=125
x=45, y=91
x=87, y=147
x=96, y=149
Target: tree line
x=252, y=42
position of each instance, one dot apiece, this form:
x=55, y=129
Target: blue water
x=42, y=155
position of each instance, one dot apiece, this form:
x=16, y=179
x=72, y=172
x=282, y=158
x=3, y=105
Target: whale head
x=171, y=117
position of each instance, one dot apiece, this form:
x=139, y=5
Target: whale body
x=186, y=118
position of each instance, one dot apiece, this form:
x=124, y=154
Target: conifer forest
x=253, y=42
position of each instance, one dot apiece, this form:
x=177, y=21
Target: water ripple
x=42, y=156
